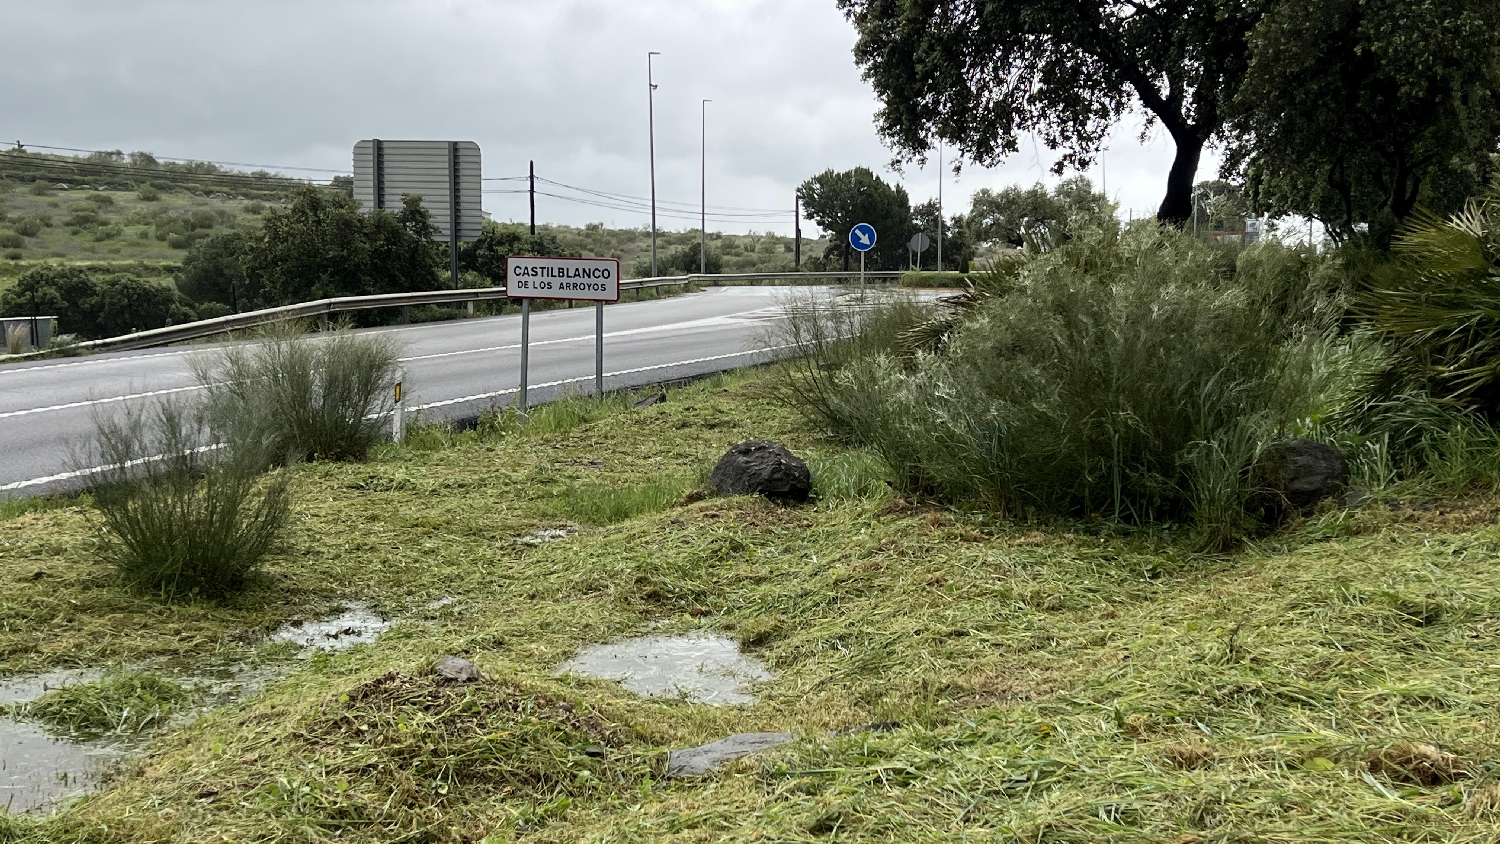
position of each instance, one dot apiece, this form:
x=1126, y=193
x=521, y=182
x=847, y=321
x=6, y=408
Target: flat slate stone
x=705, y=759
x=456, y=669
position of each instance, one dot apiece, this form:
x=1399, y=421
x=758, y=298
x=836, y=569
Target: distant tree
x=958, y=241
x=1356, y=111
x=343, y=183
x=681, y=261
x=497, y=242
x=321, y=245
x=838, y=201
x=982, y=75
x=128, y=303
x=143, y=159
x=1013, y=214
x=214, y=271
x=69, y=293
x=1219, y=206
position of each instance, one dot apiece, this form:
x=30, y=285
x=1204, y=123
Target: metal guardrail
x=323, y=307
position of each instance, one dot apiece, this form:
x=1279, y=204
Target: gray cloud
x=562, y=82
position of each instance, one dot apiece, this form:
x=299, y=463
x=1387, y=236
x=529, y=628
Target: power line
x=689, y=206
x=82, y=168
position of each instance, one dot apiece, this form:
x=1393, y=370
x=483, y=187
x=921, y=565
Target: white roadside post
x=862, y=237
x=589, y=279
x=398, y=417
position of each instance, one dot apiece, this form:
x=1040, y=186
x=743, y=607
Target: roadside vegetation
x=1045, y=679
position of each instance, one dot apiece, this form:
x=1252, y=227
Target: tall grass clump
x=187, y=510
x=324, y=397
x=1129, y=375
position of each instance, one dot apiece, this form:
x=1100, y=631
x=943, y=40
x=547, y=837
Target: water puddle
x=546, y=536
x=357, y=625
x=701, y=667
x=36, y=768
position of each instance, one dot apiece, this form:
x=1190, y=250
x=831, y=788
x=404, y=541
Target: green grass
x=1053, y=681
x=120, y=703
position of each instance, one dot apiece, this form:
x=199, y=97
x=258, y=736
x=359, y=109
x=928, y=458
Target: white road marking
x=110, y=400
x=513, y=390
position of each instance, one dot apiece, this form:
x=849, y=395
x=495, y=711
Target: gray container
x=36, y=333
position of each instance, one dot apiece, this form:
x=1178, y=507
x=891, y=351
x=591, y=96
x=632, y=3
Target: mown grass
x=1051, y=681
x=118, y=703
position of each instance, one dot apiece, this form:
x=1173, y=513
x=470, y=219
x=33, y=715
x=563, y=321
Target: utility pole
x=940, y=208
x=533, y=198
x=703, y=207
x=797, y=233
x=651, y=126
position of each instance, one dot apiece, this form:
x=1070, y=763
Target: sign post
x=862, y=237
x=594, y=280
x=919, y=243
x=445, y=174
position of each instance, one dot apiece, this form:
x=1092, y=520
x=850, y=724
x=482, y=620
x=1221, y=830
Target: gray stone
x=1355, y=499
x=658, y=397
x=1294, y=474
x=761, y=467
x=707, y=758
x=456, y=669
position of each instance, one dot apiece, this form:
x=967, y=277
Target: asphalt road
x=454, y=369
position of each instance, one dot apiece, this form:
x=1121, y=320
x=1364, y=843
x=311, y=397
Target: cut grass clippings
x=1047, y=682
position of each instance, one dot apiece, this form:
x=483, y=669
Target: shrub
x=1124, y=375
x=328, y=397
x=12, y=240
x=14, y=255
x=931, y=279
x=148, y=193
x=27, y=226
x=186, y=510
x=40, y=188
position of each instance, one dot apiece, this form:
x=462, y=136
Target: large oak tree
x=982, y=74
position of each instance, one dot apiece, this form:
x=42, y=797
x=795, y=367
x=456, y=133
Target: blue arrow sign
x=862, y=237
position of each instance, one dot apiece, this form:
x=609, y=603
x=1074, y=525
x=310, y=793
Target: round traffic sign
x=919, y=243
x=862, y=237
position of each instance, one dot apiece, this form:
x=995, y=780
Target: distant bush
x=40, y=188
x=327, y=397
x=1130, y=376
x=14, y=255
x=185, y=507
x=27, y=226
x=12, y=240
x=148, y=193
x=257, y=208
x=928, y=279
x=178, y=241
x=100, y=199
x=95, y=302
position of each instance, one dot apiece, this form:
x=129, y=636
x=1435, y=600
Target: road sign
x=919, y=243
x=444, y=173
x=592, y=279
x=862, y=237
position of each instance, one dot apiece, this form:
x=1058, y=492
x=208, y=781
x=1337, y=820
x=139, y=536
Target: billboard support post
x=599, y=351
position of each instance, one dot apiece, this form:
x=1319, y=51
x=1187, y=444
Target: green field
x=1059, y=682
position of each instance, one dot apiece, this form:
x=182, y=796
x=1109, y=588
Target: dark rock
x=1293, y=475
x=456, y=669
x=594, y=752
x=707, y=758
x=658, y=397
x=761, y=467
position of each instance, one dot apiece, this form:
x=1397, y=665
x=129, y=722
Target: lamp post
x=703, y=184
x=651, y=124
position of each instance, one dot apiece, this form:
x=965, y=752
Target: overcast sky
x=294, y=83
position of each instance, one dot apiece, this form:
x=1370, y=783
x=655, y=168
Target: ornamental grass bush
x=1124, y=374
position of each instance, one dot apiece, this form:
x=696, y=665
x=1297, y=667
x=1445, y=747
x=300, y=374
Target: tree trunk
x=1177, y=207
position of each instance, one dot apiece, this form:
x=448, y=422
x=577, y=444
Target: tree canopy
x=1356, y=111
x=1013, y=214
x=839, y=201
x=983, y=74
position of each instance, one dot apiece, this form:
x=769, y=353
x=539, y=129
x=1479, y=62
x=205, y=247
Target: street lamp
x=703, y=209
x=651, y=124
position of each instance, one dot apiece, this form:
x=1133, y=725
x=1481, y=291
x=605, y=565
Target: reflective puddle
x=357, y=625
x=700, y=667
x=38, y=769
